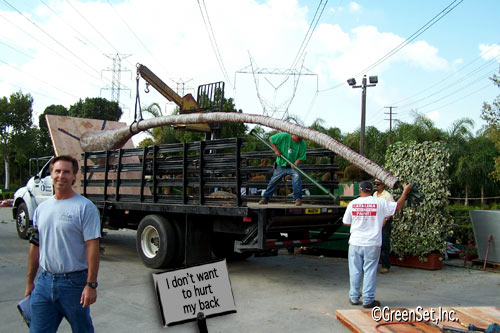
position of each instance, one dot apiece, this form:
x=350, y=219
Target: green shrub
x=7, y=195
x=422, y=228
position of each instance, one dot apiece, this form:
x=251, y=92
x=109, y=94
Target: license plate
x=313, y=210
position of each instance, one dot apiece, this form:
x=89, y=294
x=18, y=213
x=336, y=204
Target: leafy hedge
x=421, y=228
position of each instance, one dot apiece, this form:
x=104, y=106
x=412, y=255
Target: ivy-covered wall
x=420, y=228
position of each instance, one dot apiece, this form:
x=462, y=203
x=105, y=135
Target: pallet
x=361, y=320
x=493, y=266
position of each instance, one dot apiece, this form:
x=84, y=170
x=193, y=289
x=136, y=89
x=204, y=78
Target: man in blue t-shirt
x=294, y=149
x=65, y=245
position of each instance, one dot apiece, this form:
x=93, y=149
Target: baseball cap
x=366, y=186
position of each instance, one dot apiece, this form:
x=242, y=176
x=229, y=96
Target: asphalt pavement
x=285, y=293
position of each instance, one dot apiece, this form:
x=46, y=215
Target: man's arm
x=402, y=198
x=89, y=294
x=33, y=256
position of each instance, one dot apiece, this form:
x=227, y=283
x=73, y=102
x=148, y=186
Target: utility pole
x=116, y=86
x=363, y=86
x=390, y=113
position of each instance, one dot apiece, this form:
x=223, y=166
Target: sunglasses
x=377, y=184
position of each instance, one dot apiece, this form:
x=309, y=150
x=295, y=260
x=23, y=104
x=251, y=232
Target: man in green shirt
x=294, y=149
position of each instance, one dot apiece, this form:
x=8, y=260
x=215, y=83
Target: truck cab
x=26, y=199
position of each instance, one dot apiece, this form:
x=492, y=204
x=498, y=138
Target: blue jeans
x=280, y=172
x=363, y=262
x=56, y=296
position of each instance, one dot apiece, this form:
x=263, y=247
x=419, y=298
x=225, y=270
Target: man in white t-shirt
x=365, y=215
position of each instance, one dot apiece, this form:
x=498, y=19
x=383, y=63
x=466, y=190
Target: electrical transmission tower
x=276, y=106
x=116, y=86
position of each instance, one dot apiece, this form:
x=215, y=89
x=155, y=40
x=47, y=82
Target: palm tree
x=111, y=139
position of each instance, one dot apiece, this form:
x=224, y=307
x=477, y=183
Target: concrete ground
x=286, y=293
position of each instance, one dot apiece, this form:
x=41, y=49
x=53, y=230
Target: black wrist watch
x=92, y=285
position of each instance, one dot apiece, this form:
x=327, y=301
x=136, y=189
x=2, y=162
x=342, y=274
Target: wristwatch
x=92, y=285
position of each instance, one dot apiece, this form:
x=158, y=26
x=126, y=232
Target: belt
x=64, y=274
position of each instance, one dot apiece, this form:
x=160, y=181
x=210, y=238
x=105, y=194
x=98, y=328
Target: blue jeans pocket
x=77, y=280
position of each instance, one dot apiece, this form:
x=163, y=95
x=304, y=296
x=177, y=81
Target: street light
x=373, y=82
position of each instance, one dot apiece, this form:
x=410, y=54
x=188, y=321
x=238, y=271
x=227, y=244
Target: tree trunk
x=7, y=172
x=482, y=195
x=466, y=195
x=113, y=139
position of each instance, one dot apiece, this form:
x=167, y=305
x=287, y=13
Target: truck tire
x=223, y=248
x=22, y=221
x=156, y=241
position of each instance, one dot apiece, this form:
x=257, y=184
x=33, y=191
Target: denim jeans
x=280, y=172
x=363, y=262
x=56, y=296
x=385, y=251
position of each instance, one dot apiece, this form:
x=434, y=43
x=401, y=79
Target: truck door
x=43, y=185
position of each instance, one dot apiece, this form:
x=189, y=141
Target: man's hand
x=407, y=188
x=89, y=296
x=277, y=152
x=29, y=289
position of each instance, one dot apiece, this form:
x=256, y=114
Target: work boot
x=263, y=201
x=373, y=304
x=384, y=270
x=298, y=202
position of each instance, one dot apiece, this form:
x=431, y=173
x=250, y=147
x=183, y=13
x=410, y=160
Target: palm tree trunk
x=7, y=172
x=466, y=195
x=482, y=195
x=113, y=139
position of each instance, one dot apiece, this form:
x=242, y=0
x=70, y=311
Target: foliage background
x=421, y=229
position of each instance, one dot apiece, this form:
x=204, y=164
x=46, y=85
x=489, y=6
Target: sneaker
x=263, y=201
x=298, y=202
x=373, y=304
x=354, y=303
x=384, y=270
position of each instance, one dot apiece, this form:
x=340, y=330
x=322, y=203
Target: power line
x=85, y=41
x=452, y=74
x=310, y=31
x=417, y=33
x=420, y=31
x=213, y=41
x=135, y=35
x=91, y=25
x=49, y=35
x=38, y=79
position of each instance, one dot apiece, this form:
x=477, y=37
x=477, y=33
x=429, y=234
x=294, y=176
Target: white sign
x=184, y=293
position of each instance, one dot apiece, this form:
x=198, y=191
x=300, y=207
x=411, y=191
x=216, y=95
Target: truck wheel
x=223, y=248
x=22, y=221
x=156, y=241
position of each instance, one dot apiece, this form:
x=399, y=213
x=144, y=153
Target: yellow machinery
x=210, y=98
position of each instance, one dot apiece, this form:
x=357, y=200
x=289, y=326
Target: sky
x=431, y=57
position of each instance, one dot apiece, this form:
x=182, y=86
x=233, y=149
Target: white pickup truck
x=27, y=198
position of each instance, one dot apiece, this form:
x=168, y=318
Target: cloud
x=344, y=54
x=171, y=39
x=354, y=7
x=433, y=115
x=490, y=51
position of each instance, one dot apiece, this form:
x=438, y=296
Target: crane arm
x=186, y=103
